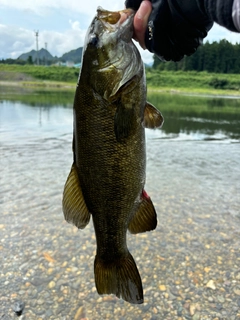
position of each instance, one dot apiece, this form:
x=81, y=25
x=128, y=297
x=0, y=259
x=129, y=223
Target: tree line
x=217, y=57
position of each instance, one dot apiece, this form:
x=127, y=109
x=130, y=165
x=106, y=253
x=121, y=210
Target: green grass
x=173, y=81
x=192, y=81
x=53, y=73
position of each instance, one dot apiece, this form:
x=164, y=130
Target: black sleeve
x=219, y=11
x=177, y=27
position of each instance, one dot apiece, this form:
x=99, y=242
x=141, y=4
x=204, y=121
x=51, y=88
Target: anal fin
x=145, y=218
x=152, y=117
x=74, y=206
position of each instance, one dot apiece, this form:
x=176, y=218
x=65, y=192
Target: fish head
x=110, y=57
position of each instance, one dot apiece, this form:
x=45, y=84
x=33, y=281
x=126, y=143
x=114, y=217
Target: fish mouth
x=110, y=18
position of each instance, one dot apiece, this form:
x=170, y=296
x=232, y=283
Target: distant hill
x=73, y=55
x=44, y=55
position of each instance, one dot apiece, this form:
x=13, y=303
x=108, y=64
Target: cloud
x=74, y=24
x=14, y=41
x=62, y=24
x=43, y=6
x=60, y=43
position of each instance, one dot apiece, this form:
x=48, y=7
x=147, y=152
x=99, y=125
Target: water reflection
x=39, y=98
x=198, y=117
x=22, y=123
x=186, y=117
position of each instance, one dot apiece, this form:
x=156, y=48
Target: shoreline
x=58, y=85
x=39, y=84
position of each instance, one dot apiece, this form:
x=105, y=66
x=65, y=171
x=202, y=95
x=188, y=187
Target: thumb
x=141, y=21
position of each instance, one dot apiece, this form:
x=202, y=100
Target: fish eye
x=93, y=40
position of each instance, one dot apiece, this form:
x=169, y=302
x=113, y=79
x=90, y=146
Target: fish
x=107, y=177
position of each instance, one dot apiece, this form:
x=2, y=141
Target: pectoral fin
x=145, y=219
x=123, y=122
x=74, y=206
x=152, y=117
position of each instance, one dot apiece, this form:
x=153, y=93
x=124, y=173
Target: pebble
x=18, y=307
x=221, y=299
x=196, y=316
x=80, y=314
x=51, y=284
x=188, y=271
x=192, y=309
x=40, y=301
x=162, y=287
x=236, y=291
x=211, y=285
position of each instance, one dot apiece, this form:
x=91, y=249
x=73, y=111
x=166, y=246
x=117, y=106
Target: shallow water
x=193, y=178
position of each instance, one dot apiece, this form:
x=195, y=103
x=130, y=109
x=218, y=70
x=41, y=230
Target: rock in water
x=18, y=307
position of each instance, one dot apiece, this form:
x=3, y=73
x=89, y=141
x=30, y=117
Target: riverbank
x=59, y=86
x=36, y=84
x=179, y=82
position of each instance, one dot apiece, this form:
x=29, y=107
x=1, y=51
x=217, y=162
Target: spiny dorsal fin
x=152, y=117
x=145, y=219
x=120, y=277
x=74, y=206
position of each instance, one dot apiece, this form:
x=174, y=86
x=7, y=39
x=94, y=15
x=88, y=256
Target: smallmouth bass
x=107, y=177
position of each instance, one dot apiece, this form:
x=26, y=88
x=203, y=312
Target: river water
x=193, y=178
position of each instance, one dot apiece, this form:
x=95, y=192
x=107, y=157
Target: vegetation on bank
x=217, y=57
x=184, y=81
x=52, y=73
x=192, y=80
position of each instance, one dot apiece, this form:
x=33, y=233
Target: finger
x=141, y=21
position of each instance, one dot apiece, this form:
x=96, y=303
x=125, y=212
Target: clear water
x=193, y=178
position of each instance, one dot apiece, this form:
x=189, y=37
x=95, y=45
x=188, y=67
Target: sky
x=61, y=25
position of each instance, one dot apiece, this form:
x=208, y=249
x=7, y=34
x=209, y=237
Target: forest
x=217, y=57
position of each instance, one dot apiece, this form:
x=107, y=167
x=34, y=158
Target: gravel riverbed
x=190, y=265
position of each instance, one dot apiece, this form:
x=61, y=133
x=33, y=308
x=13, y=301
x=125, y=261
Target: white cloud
x=41, y=7
x=50, y=17
x=60, y=43
x=13, y=40
x=74, y=24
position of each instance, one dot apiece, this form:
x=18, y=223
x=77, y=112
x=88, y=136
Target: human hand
x=169, y=28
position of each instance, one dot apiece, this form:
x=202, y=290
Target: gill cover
x=113, y=54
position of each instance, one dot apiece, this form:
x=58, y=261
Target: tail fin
x=120, y=277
